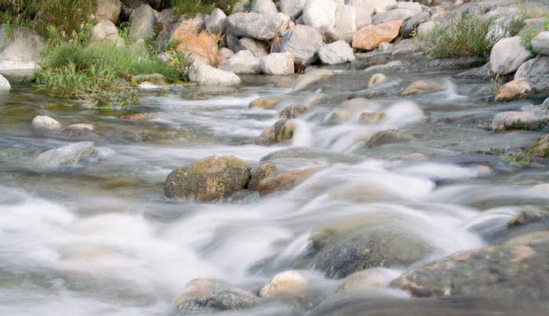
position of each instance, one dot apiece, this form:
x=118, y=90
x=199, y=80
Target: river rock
x=281, y=132
x=293, y=8
x=392, y=15
x=320, y=14
x=538, y=76
x=517, y=268
x=514, y=90
x=66, y=156
x=529, y=214
x=4, y=84
x=302, y=42
x=306, y=153
x=142, y=23
x=45, y=123
x=286, y=284
x=347, y=110
x=363, y=281
x=258, y=48
x=77, y=132
x=336, y=53
x=225, y=54
x=258, y=26
x=540, y=148
x=412, y=6
x=292, y=111
x=264, y=7
x=352, y=245
x=425, y=28
x=218, y=301
x=243, y=63
x=507, y=55
x=277, y=64
x=377, y=79
x=505, y=121
x=422, y=86
x=409, y=27
x=524, y=69
x=285, y=181
x=215, y=24
x=105, y=31
x=363, y=12
x=381, y=6
x=265, y=170
x=208, y=179
x=203, y=74
x=370, y=37
x=200, y=288
x=367, y=118
x=541, y=43
x=345, y=24
x=388, y=137
x=309, y=78
x=108, y=10
x=20, y=51
x=266, y=103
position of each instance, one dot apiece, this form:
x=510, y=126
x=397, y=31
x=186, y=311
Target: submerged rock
x=370, y=117
x=45, y=123
x=511, y=120
x=377, y=79
x=77, y=132
x=286, y=284
x=309, y=78
x=218, y=301
x=540, y=148
x=517, y=268
x=66, y=156
x=285, y=181
x=266, y=103
x=292, y=111
x=388, y=137
x=265, y=170
x=529, y=214
x=208, y=179
x=422, y=86
x=281, y=132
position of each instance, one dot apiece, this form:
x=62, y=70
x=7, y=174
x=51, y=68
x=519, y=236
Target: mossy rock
x=285, y=181
x=388, y=137
x=281, y=132
x=265, y=170
x=540, y=148
x=209, y=179
x=292, y=111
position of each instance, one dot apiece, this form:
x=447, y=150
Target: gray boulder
x=264, y=7
x=66, y=156
x=538, y=76
x=293, y=8
x=336, y=53
x=20, y=51
x=363, y=12
x=277, y=64
x=209, y=179
x=541, y=43
x=215, y=23
x=388, y=137
x=410, y=25
x=258, y=48
x=507, y=55
x=203, y=74
x=320, y=14
x=142, y=23
x=105, y=32
x=510, y=120
x=524, y=69
x=218, y=301
x=108, y=10
x=242, y=63
x=258, y=26
x=345, y=24
x=45, y=123
x=393, y=15
x=302, y=42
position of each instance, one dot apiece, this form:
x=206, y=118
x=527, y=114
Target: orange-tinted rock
x=371, y=36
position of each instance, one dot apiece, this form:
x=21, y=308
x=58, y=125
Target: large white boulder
x=293, y=8
x=507, y=55
x=20, y=50
x=320, y=14
x=243, y=63
x=215, y=24
x=105, y=32
x=259, y=26
x=541, y=43
x=345, y=25
x=264, y=7
x=302, y=42
x=4, y=84
x=45, y=123
x=381, y=6
x=339, y=52
x=278, y=64
x=363, y=11
x=203, y=74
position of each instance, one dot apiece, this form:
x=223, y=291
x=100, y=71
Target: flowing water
x=102, y=239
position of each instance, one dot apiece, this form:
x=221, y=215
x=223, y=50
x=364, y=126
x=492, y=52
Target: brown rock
x=371, y=36
x=281, y=132
x=388, y=137
x=285, y=181
x=514, y=90
x=370, y=117
x=292, y=111
x=377, y=79
x=421, y=87
x=265, y=170
x=266, y=103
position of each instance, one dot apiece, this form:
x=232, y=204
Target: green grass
x=462, y=37
x=193, y=7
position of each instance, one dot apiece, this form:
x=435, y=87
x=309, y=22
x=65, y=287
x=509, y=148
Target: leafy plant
x=462, y=37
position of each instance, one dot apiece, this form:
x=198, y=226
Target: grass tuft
x=202, y=45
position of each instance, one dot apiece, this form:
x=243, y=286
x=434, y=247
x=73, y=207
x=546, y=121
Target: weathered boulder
x=529, y=214
x=258, y=26
x=307, y=153
x=142, y=23
x=285, y=181
x=370, y=37
x=225, y=54
x=281, y=132
x=336, y=53
x=309, y=78
x=208, y=179
x=264, y=7
x=538, y=76
x=302, y=42
x=215, y=24
x=293, y=8
x=242, y=63
x=412, y=6
x=363, y=281
x=105, y=33
x=541, y=43
x=513, y=90
x=540, y=148
x=77, y=132
x=45, y=123
x=108, y=10
x=517, y=268
x=347, y=110
x=388, y=137
x=320, y=14
x=505, y=121
x=277, y=64
x=381, y=6
x=266, y=103
x=292, y=111
x=507, y=55
x=363, y=12
x=258, y=48
x=20, y=51
x=286, y=284
x=409, y=27
x=66, y=156
x=422, y=86
x=345, y=24
x=370, y=117
x=4, y=84
x=207, y=75
x=392, y=15
x=524, y=69
x=265, y=170
x=218, y=301
x=377, y=79
x=425, y=28
x=200, y=288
